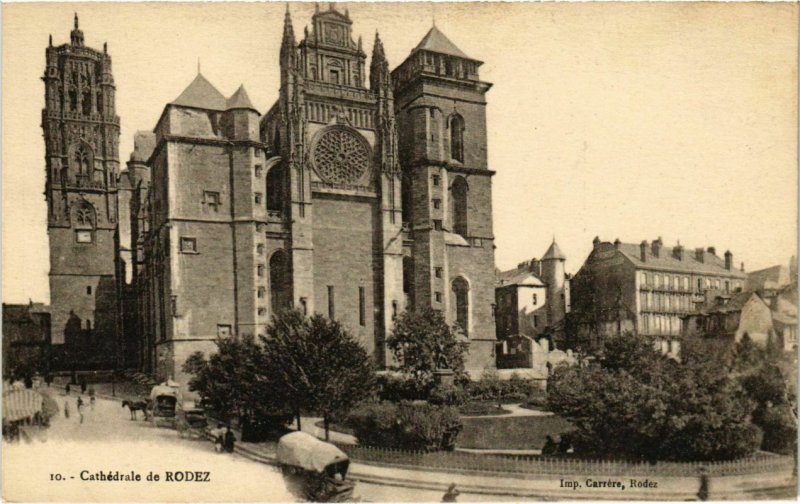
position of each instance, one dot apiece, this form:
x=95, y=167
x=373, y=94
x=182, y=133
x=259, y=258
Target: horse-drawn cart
x=191, y=421
x=164, y=403
x=314, y=470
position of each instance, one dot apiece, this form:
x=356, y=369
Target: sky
x=628, y=121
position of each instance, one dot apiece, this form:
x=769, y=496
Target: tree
x=635, y=402
x=422, y=342
x=316, y=365
x=232, y=383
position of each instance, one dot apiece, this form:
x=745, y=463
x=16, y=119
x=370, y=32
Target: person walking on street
x=452, y=494
x=219, y=438
x=230, y=440
x=702, y=492
x=66, y=389
x=80, y=407
x=66, y=409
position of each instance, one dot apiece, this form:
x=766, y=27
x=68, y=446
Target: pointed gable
x=436, y=41
x=201, y=94
x=240, y=100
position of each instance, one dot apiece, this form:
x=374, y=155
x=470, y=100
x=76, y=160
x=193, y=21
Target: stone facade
x=81, y=133
x=533, y=298
x=447, y=189
x=26, y=338
x=728, y=318
x=647, y=288
x=309, y=206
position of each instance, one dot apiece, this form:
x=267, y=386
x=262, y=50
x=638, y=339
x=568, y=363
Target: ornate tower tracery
x=81, y=134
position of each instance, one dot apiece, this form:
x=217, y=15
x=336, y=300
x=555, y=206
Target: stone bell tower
x=81, y=134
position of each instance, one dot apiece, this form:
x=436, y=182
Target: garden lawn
x=510, y=433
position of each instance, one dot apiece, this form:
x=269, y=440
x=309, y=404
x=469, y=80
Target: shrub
x=407, y=425
x=491, y=388
x=399, y=388
x=780, y=429
x=447, y=395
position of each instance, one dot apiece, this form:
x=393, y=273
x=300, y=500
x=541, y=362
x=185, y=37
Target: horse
x=135, y=406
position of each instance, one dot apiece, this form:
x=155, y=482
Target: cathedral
x=361, y=193
x=81, y=133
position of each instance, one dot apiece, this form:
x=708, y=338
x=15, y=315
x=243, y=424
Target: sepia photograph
x=399, y=251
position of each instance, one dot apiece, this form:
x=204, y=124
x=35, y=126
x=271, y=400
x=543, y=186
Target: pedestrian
x=83, y=385
x=230, y=440
x=66, y=409
x=80, y=407
x=702, y=492
x=66, y=389
x=218, y=434
x=452, y=494
x=549, y=447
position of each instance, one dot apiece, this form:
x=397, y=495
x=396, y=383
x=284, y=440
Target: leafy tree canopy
x=422, y=342
x=634, y=402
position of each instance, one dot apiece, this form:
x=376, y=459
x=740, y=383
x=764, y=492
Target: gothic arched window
x=73, y=100
x=458, y=199
x=456, y=126
x=276, y=176
x=83, y=161
x=280, y=282
x=461, y=297
x=87, y=102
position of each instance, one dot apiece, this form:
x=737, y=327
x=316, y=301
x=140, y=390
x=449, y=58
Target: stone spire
x=76, y=35
x=379, y=67
x=289, y=43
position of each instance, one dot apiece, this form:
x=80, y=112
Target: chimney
x=728, y=260
x=677, y=251
x=596, y=242
x=699, y=254
x=712, y=250
x=643, y=251
x=742, y=268
x=536, y=267
x=617, y=243
x=657, y=246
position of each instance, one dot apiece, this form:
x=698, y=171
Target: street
x=65, y=464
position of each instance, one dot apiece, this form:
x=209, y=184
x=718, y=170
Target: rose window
x=341, y=156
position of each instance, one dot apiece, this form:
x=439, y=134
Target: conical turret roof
x=554, y=252
x=436, y=41
x=240, y=100
x=201, y=94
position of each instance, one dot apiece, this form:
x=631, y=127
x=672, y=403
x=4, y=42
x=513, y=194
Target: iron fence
x=535, y=465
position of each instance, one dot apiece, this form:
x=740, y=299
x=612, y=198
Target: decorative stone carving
x=340, y=155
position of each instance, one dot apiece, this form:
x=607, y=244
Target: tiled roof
x=201, y=94
x=734, y=303
x=517, y=276
x=711, y=264
x=554, y=252
x=435, y=41
x=240, y=100
x=768, y=278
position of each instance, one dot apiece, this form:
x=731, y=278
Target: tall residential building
x=81, y=133
x=310, y=206
x=647, y=288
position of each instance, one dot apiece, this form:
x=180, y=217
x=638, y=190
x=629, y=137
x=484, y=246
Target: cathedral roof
x=436, y=41
x=201, y=94
x=554, y=252
x=240, y=100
